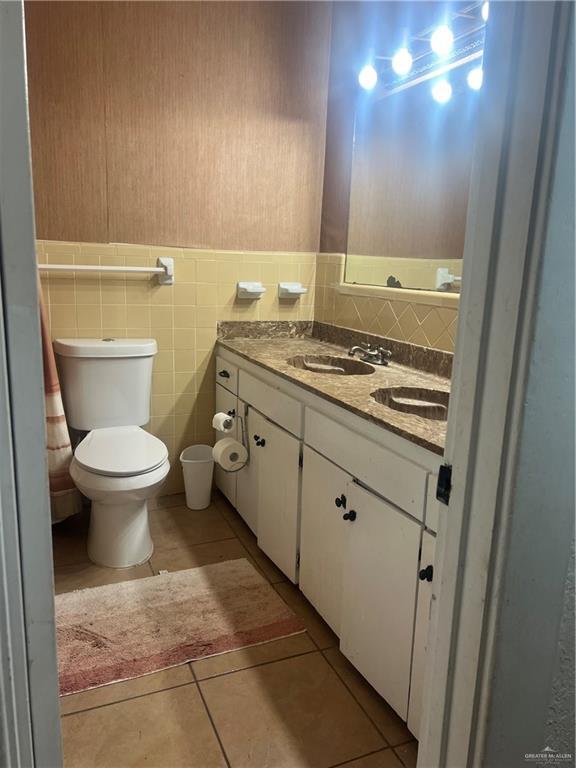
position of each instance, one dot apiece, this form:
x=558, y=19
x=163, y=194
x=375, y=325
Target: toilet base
x=119, y=534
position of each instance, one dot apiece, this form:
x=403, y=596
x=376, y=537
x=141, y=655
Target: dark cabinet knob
x=349, y=516
x=262, y=443
x=340, y=501
x=224, y=374
x=427, y=573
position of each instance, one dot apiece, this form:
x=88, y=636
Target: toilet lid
x=120, y=451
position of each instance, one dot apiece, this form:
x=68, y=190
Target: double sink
x=419, y=401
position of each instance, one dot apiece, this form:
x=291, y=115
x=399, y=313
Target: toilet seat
x=120, y=452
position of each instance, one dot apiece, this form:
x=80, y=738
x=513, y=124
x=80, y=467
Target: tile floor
x=290, y=703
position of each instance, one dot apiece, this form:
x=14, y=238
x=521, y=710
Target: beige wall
x=182, y=318
x=428, y=325
x=179, y=123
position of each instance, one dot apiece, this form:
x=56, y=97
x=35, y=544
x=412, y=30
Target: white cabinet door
x=226, y=481
x=278, y=494
x=425, y=588
x=247, y=478
x=323, y=535
x=379, y=594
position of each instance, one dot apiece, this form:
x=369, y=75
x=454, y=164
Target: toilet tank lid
x=105, y=347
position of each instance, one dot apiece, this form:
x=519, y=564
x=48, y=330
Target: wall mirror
x=413, y=144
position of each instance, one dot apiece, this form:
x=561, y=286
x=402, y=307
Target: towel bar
x=164, y=269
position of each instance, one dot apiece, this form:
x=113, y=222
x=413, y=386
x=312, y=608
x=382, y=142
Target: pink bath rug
x=121, y=631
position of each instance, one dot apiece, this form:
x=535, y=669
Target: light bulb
x=402, y=61
x=485, y=10
x=442, y=40
x=368, y=77
x=442, y=91
x=474, y=78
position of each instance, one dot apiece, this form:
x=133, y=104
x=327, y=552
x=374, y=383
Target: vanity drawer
x=393, y=477
x=271, y=402
x=227, y=375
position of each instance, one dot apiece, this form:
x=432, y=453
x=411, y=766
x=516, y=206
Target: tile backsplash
x=424, y=324
x=182, y=318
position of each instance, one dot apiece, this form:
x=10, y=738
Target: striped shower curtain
x=65, y=499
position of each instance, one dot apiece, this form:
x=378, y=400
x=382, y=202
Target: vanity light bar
x=433, y=73
x=466, y=44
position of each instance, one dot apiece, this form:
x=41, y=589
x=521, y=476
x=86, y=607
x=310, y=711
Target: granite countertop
x=349, y=392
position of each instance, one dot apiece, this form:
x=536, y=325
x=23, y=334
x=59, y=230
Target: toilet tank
x=105, y=382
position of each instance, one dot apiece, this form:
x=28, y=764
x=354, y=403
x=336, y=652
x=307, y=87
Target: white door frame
x=525, y=54
x=29, y=707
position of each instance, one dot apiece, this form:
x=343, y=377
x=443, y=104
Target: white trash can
x=198, y=468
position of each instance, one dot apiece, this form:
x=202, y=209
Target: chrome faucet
x=374, y=355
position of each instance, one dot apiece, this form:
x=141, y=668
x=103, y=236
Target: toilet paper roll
x=223, y=422
x=229, y=454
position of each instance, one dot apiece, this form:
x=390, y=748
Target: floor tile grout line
x=252, y=666
x=362, y=756
x=403, y=745
x=196, y=544
x=293, y=611
x=206, y=707
x=399, y=758
x=128, y=698
x=255, y=564
x=232, y=512
x=351, y=692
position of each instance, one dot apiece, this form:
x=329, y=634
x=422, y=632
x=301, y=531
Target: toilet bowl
x=119, y=469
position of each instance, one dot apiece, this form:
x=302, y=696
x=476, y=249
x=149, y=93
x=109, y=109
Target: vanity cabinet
x=323, y=535
x=378, y=593
x=278, y=471
x=268, y=490
x=423, y=610
x=358, y=568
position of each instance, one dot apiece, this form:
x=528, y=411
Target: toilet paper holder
x=224, y=422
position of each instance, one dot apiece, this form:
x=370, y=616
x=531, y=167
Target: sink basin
x=428, y=403
x=336, y=366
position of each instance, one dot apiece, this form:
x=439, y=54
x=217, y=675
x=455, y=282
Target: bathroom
x=321, y=248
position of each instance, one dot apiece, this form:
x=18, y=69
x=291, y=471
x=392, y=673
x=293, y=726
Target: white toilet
x=118, y=466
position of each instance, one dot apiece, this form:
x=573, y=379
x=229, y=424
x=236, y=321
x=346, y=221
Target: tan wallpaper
x=198, y=124
x=182, y=318
x=423, y=324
